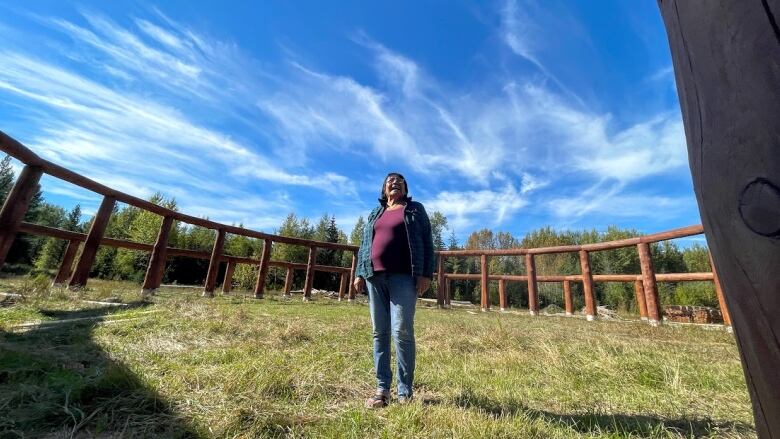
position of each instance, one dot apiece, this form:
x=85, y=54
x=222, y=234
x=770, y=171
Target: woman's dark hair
x=383, y=196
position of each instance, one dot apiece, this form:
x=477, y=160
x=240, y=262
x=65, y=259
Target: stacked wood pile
x=692, y=314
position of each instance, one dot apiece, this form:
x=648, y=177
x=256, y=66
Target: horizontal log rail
x=13, y=210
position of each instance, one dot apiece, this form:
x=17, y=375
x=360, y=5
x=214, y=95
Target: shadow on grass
x=590, y=423
x=56, y=379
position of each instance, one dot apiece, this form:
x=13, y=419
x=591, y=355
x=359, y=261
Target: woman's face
x=395, y=187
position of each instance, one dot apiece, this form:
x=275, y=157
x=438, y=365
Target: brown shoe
x=380, y=399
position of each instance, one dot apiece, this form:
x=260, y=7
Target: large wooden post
x=216, y=257
x=352, y=277
x=262, y=272
x=227, y=284
x=726, y=57
x=156, y=267
x=567, y=302
x=66, y=266
x=309, y=273
x=533, y=294
x=288, y=280
x=484, y=282
x=342, y=285
x=88, y=253
x=503, y=304
x=440, y=282
x=641, y=301
x=587, y=286
x=447, y=292
x=15, y=207
x=649, y=285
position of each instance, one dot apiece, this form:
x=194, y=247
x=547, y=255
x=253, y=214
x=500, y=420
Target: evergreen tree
x=357, y=232
x=6, y=177
x=438, y=226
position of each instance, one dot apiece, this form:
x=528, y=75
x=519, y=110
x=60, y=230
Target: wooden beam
x=503, y=304
x=84, y=265
x=343, y=278
x=352, y=270
x=213, y=271
x=15, y=207
x=587, y=286
x=66, y=266
x=483, y=281
x=567, y=300
x=440, y=282
x=288, y=280
x=641, y=301
x=533, y=294
x=309, y=273
x=262, y=272
x=227, y=284
x=649, y=284
x=156, y=267
x=724, y=310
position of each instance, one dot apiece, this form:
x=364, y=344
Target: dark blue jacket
x=418, y=229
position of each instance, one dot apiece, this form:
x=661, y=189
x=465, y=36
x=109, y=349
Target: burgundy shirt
x=390, y=247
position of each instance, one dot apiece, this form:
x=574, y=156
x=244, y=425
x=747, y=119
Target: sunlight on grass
x=181, y=365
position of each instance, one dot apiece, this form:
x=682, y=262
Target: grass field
x=180, y=365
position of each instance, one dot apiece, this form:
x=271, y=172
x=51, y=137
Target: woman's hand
x=423, y=283
x=359, y=284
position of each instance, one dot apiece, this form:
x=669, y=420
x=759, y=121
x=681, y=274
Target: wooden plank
x=156, y=267
x=262, y=272
x=726, y=57
x=587, y=286
x=66, y=266
x=213, y=270
x=533, y=294
x=227, y=284
x=649, y=284
x=309, y=273
x=84, y=265
x=15, y=207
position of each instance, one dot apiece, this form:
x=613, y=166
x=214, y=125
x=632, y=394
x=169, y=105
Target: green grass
x=238, y=367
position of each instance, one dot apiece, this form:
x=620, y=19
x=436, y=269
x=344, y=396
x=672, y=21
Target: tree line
x=42, y=255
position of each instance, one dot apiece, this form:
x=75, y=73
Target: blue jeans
x=392, y=298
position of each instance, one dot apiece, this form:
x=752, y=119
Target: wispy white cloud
x=465, y=208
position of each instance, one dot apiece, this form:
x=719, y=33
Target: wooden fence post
x=440, y=282
x=587, y=286
x=567, y=302
x=502, y=294
x=725, y=56
x=156, y=267
x=216, y=257
x=66, y=266
x=309, y=273
x=88, y=253
x=447, y=291
x=721, y=299
x=484, y=282
x=352, y=277
x=649, y=284
x=262, y=272
x=641, y=301
x=227, y=284
x=288, y=280
x=342, y=285
x=15, y=207
x=533, y=295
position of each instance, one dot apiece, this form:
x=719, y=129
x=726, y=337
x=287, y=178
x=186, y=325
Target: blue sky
x=510, y=115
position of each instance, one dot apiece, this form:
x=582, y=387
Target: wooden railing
x=18, y=200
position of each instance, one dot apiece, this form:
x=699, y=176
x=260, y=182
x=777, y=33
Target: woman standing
x=395, y=262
